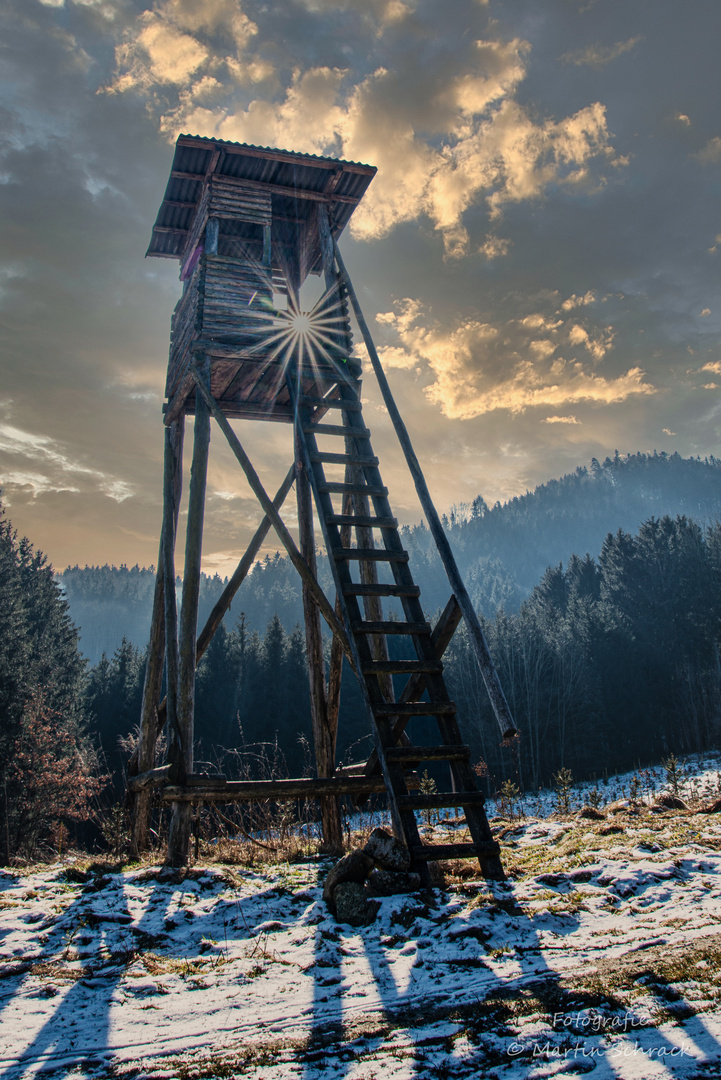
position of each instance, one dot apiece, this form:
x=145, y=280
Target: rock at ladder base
x=388, y=852
x=352, y=904
x=354, y=867
x=388, y=883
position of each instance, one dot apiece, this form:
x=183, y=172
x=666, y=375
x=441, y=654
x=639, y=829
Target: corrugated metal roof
x=296, y=182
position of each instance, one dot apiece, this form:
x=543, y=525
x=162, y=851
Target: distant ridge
x=503, y=550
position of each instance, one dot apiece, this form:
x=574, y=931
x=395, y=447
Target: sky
x=538, y=255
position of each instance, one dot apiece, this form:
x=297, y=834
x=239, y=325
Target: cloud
x=61, y=471
x=713, y=366
x=175, y=39
x=560, y=420
x=392, y=356
x=704, y=312
x=598, y=346
x=574, y=301
x=445, y=136
x=667, y=431
x=494, y=247
x=597, y=56
x=477, y=367
x=711, y=153
x=683, y=119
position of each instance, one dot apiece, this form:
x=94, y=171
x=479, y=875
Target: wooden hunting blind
x=248, y=225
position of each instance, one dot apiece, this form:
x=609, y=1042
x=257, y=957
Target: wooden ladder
x=394, y=755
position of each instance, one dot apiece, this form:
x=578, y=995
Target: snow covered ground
x=600, y=954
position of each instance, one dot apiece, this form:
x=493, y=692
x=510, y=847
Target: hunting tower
x=248, y=225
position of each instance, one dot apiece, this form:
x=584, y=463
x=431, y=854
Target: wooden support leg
x=224, y=601
x=335, y=671
x=180, y=826
x=324, y=735
x=144, y=759
x=171, y=612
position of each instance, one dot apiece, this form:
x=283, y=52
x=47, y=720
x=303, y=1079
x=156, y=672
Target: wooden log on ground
x=254, y=790
x=150, y=779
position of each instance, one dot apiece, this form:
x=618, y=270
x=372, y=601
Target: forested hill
x=503, y=550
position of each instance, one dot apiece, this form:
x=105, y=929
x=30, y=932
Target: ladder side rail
x=497, y=697
x=404, y=822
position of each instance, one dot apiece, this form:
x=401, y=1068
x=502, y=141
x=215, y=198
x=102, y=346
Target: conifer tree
x=48, y=771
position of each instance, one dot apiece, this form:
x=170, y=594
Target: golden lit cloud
x=578, y=301
x=597, y=56
x=597, y=346
x=478, y=368
x=171, y=42
x=494, y=247
x=442, y=140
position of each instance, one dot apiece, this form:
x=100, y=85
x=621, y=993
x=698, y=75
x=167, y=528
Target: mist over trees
x=607, y=662
x=502, y=550
x=610, y=663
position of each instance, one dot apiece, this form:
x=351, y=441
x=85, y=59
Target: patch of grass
x=497, y=951
x=176, y=965
x=222, y=1066
x=407, y=915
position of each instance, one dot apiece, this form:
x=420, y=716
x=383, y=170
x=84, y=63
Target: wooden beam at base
x=253, y=790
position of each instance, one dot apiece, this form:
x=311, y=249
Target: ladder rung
x=417, y=708
x=342, y=459
x=364, y=521
x=331, y=403
x=441, y=801
x=337, y=487
x=402, y=667
x=434, y=852
x=336, y=429
x=400, y=755
x=392, y=627
x=370, y=555
x=351, y=589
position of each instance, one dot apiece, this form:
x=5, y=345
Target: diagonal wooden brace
x=222, y=604
x=475, y=631
x=324, y=604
